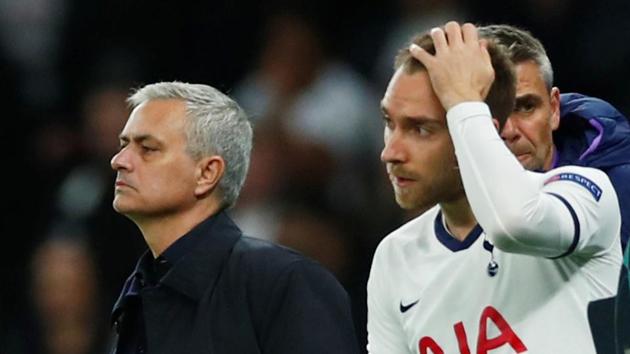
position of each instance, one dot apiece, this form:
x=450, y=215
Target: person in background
x=66, y=313
x=549, y=129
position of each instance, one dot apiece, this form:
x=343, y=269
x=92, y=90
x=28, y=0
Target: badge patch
x=579, y=179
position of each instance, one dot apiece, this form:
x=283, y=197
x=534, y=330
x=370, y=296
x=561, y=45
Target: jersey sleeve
x=568, y=210
x=385, y=335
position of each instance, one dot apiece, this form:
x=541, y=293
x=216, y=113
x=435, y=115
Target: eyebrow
x=417, y=119
x=528, y=98
x=139, y=138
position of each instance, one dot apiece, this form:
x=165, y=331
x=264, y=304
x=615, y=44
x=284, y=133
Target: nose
x=510, y=131
x=121, y=161
x=393, y=151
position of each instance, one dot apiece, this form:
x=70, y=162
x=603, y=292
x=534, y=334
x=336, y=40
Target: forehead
x=529, y=78
x=159, y=118
x=411, y=95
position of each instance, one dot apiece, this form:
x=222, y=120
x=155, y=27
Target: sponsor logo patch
x=579, y=179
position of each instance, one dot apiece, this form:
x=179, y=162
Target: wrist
x=452, y=101
x=467, y=109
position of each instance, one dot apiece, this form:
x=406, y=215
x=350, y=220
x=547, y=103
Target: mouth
x=121, y=184
x=401, y=182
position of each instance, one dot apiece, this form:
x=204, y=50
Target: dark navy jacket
x=593, y=133
x=234, y=294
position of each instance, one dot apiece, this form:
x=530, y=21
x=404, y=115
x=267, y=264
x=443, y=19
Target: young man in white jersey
x=546, y=244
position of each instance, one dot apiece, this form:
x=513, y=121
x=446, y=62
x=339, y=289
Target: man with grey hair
x=204, y=287
x=548, y=129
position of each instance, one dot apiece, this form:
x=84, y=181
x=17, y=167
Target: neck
x=162, y=231
x=549, y=161
x=459, y=218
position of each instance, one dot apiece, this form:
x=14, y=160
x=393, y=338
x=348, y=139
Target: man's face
x=528, y=130
x=418, y=150
x=156, y=176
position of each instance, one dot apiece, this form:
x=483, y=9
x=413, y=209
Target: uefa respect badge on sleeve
x=589, y=185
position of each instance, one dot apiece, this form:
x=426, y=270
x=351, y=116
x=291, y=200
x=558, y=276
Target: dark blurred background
x=310, y=75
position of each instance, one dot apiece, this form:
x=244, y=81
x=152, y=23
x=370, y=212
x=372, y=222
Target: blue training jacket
x=593, y=133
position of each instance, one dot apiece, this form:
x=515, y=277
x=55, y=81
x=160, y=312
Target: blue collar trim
x=449, y=241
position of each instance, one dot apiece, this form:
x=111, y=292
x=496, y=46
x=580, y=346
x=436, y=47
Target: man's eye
x=422, y=130
x=387, y=123
x=525, y=108
x=148, y=148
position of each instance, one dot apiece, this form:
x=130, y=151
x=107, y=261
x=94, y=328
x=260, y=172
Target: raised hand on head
x=461, y=69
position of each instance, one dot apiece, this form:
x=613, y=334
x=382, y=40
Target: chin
x=403, y=205
x=121, y=208
x=414, y=204
x=407, y=203
x=532, y=165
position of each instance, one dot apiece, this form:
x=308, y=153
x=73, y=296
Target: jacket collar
x=591, y=133
x=200, y=268
x=195, y=273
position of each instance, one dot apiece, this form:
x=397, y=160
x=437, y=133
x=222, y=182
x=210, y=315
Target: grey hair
x=216, y=125
x=521, y=46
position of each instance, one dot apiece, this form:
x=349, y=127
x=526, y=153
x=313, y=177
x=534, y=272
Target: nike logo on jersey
x=405, y=308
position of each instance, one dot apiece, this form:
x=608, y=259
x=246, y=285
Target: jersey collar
x=449, y=241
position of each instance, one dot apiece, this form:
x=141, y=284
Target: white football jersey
x=523, y=285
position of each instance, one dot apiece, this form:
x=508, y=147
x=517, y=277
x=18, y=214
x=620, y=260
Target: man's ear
x=554, y=99
x=209, y=172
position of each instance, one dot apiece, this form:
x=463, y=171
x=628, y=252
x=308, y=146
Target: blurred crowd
x=309, y=74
